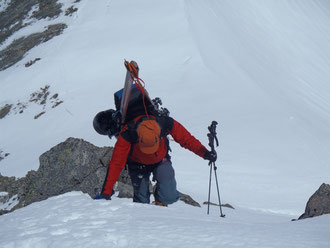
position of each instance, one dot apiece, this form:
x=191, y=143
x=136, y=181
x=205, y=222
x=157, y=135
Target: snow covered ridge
x=26, y=24
x=77, y=165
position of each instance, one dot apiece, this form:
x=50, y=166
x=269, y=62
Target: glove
x=211, y=156
x=103, y=196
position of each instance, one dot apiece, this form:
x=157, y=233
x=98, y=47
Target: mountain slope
x=261, y=70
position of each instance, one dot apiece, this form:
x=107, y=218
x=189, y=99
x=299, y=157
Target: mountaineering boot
x=159, y=204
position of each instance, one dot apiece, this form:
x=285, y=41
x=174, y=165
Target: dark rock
x=70, y=11
x=8, y=184
x=47, y=9
x=57, y=103
x=38, y=115
x=319, y=203
x=4, y=212
x=11, y=186
x=54, y=96
x=4, y=197
x=20, y=107
x=40, y=96
x=5, y=110
x=31, y=62
x=124, y=185
x=188, y=200
x=73, y=165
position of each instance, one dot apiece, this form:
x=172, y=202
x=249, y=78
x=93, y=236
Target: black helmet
x=103, y=122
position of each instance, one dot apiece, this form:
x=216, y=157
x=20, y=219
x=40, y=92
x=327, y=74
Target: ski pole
x=208, y=200
x=216, y=180
x=212, y=135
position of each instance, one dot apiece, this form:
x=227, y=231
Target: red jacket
x=122, y=149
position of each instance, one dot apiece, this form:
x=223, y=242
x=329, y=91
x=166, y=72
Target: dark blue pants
x=163, y=174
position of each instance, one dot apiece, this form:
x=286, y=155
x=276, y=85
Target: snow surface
x=75, y=220
x=260, y=68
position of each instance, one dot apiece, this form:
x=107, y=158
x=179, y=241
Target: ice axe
x=212, y=135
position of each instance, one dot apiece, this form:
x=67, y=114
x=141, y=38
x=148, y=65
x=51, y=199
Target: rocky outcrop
x=17, y=49
x=70, y=166
x=3, y=155
x=44, y=98
x=13, y=18
x=73, y=165
x=5, y=110
x=22, y=13
x=319, y=203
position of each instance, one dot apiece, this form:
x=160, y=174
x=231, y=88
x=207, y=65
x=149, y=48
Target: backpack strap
x=166, y=123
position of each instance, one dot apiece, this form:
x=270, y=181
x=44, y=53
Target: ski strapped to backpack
x=132, y=75
x=132, y=72
x=110, y=122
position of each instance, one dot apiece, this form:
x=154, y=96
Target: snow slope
x=260, y=68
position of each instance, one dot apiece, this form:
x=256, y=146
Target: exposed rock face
x=70, y=166
x=73, y=165
x=44, y=98
x=12, y=19
x=22, y=13
x=318, y=203
x=5, y=110
x=17, y=49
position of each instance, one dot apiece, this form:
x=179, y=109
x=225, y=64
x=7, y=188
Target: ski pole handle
x=213, y=127
x=213, y=135
x=211, y=141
